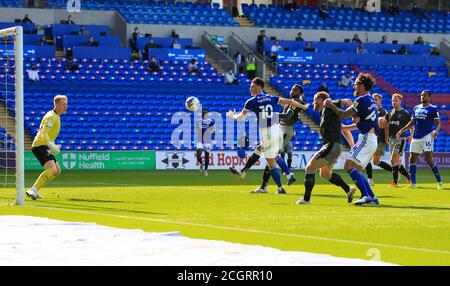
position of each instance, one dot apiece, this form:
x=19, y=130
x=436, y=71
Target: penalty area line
x=313, y=237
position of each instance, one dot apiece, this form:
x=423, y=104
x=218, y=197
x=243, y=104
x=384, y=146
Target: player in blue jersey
x=271, y=136
x=423, y=118
x=205, y=129
x=366, y=110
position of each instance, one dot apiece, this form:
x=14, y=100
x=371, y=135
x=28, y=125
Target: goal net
x=11, y=112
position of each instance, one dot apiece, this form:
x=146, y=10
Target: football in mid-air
x=192, y=103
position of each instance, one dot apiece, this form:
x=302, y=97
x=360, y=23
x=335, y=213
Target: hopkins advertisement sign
x=116, y=160
x=187, y=160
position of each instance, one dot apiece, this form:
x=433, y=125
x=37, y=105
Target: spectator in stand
x=393, y=10
x=41, y=41
x=133, y=40
x=402, y=51
x=435, y=52
x=174, y=34
x=239, y=60
x=153, y=66
x=33, y=74
x=70, y=21
x=274, y=50
x=70, y=64
x=251, y=66
x=91, y=42
x=230, y=78
x=383, y=40
x=418, y=12
x=175, y=44
x=324, y=13
x=26, y=19
x=150, y=45
x=69, y=53
x=260, y=42
x=346, y=81
x=192, y=66
x=299, y=37
x=290, y=6
x=356, y=39
x=83, y=31
x=309, y=48
x=419, y=41
x=362, y=50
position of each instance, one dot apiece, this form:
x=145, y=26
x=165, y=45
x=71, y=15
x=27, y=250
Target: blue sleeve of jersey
x=413, y=113
x=248, y=104
x=274, y=100
x=435, y=114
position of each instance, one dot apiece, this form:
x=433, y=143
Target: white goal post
x=16, y=35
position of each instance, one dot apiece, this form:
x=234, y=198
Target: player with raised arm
x=327, y=156
x=44, y=147
x=271, y=136
x=288, y=118
x=396, y=119
x=423, y=117
x=205, y=129
x=366, y=110
x=381, y=140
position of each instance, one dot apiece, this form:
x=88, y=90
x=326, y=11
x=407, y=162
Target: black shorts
x=42, y=153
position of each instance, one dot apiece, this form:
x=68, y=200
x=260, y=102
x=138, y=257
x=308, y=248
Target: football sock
x=359, y=180
x=45, y=177
x=199, y=156
x=289, y=161
x=385, y=166
x=368, y=188
x=369, y=170
x=436, y=173
x=266, y=177
x=251, y=161
x=276, y=176
x=280, y=161
x=412, y=171
x=310, y=180
x=206, y=160
x=404, y=172
x=395, y=173
x=337, y=180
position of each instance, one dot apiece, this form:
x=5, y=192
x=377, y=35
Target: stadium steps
x=215, y=64
x=244, y=22
x=8, y=122
x=59, y=54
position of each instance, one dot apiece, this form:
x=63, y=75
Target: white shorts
x=204, y=146
x=424, y=144
x=364, y=149
x=271, y=141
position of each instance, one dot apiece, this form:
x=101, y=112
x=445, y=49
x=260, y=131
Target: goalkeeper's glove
x=54, y=149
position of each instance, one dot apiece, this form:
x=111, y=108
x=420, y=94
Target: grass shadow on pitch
x=100, y=201
x=62, y=205
x=414, y=208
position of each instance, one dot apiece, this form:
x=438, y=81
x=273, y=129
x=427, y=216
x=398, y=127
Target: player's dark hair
x=299, y=87
x=258, y=81
x=427, y=92
x=366, y=80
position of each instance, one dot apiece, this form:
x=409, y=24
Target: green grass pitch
x=410, y=227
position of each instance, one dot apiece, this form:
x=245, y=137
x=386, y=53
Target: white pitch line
x=370, y=244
